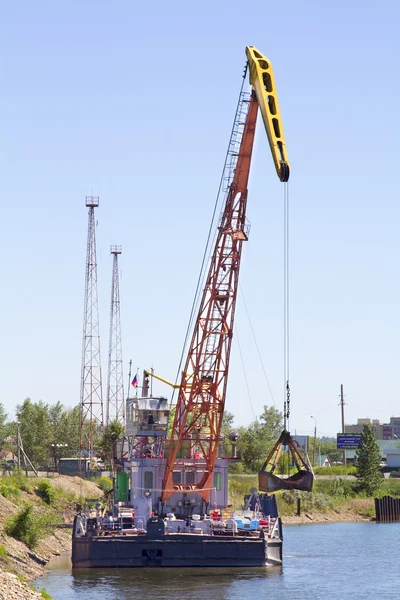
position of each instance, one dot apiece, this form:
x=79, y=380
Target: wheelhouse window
x=148, y=480
x=190, y=477
x=176, y=477
x=218, y=481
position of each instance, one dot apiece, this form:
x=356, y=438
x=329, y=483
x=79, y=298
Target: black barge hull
x=180, y=550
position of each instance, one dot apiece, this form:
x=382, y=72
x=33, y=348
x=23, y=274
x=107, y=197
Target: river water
x=346, y=561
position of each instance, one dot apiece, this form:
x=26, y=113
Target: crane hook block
x=263, y=82
x=303, y=479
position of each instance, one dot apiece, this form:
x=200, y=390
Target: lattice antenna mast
x=91, y=421
x=115, y=408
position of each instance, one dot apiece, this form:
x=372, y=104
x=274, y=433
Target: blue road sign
x=348, y=440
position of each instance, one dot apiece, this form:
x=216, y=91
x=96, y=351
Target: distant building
x=70, y=466
x=382, y=431
x=323, y=461
x=386, y=447
x=387, y=431
x=393, y=457
x=395, y=424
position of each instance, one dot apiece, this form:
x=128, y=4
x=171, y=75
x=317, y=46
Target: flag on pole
x=135, y=381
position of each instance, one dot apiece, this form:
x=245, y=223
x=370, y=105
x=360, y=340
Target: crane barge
x=172, y=488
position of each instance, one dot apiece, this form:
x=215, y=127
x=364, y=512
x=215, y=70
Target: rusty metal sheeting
x=387, y=509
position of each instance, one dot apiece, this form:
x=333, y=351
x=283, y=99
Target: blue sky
x=134, y=102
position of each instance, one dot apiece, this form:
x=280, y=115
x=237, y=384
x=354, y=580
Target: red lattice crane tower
x=115, y=404
x=201, y=400
x=91, y=418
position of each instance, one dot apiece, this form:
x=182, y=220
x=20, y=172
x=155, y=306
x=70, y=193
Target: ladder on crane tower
x=237, y=230
x=236, y=138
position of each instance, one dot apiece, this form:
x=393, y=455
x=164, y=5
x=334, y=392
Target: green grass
x=9, y=491
x=310, y=501
x=340, y=488
x=68, y=496
x=17, y=481
x=4, y=558
x=43, y=592
x=339, y=470
x=327, y=494
x=391, y=487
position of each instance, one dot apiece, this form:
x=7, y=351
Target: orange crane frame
x=201, y=399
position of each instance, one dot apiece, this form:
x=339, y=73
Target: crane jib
x=198, y=417
x=262, y=80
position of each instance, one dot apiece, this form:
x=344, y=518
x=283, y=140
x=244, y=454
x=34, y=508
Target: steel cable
x=286, y=335
x=256, y=345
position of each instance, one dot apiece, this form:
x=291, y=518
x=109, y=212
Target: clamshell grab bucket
x=302, y=480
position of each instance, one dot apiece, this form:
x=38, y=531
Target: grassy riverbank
x=332, y=499
x=29, y=509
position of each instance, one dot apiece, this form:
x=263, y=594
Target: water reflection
x=153, y=584
x=330, y=561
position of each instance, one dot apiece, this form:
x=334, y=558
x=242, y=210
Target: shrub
x=105, y=484
x=29, y=525
x=236, y=467
x=287, y=501
x=46, y=492
x=339, y=489
x=239, y=486
x=24, y=486
x=319, y=501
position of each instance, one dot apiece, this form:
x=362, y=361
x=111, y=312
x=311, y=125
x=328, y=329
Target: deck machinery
x=175, y=479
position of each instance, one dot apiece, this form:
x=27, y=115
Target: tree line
x=47, y=432
x=51, y=431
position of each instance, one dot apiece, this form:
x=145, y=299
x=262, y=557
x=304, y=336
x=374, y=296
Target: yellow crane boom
x=263, y=81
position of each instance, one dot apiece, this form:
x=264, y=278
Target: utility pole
x=343, y=431
x=115, y=405
x=315, y=440
x=18, y=447
x=91, y=418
